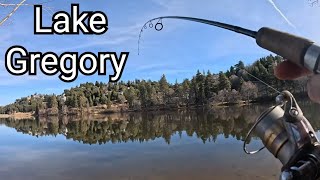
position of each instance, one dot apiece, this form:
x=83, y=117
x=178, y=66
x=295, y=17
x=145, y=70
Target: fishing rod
x=283, y=128
x=299, y=50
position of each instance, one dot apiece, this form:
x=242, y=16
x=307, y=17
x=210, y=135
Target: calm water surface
x=184, y=145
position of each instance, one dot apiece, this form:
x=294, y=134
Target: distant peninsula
x=204, y=89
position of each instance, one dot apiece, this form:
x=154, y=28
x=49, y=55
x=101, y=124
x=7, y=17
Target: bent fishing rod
x=282, y=128
x=299, y=50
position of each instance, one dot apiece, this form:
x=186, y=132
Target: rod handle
x=298, y=50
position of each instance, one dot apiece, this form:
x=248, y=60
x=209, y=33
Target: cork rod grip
x=296, y=49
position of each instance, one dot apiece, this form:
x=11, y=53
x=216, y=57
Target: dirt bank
x=17, y=115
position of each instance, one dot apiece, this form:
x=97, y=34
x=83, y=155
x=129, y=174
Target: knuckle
x=314, y=88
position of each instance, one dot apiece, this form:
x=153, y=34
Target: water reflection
x=141, y=127
x=197, y=144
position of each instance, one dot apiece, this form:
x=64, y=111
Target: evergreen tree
x=232, y=70
x=82, y=101
x=209, y=86
x=224, y=82
x=130, y=96
x=239, y=66
x=75, y=102
x=200, y=90
x=163, y=83
x=103, y=99
x=52, y=102
x=164, y=88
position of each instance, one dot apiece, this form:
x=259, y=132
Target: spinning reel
x=288, y=135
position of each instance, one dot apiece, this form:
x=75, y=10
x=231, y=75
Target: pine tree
x=103, y=99
x=209, y=86
x=52, y=102
x=232, y=70
x=239, y=66
x=163, y=83
x=82, y=101
x=130, y=96
x=200, y=95
x=224, y=82
x=90, y=101
x=109, y=102
x=164, y=88
x=75, y=102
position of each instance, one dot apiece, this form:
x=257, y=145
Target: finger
x=314, y=88
x=287, y=70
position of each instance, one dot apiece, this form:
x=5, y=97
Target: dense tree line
x=205, y=88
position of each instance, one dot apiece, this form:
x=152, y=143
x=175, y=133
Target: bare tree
x=249, y=90
x=17, y=6
x=233, y=96
x=12, y=12
x=313, y=2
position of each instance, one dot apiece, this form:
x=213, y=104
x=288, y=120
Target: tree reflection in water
x=120, y=128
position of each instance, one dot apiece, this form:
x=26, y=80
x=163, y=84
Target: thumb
x=314, y=88
x=287, y=70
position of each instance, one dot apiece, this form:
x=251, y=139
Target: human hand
x=289, y=71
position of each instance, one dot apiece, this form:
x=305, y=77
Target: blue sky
x=178, y=51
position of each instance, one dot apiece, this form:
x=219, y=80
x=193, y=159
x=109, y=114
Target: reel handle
x=308, y=168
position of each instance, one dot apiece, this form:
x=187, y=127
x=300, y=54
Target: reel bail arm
x=289, y=136
x=299, y=129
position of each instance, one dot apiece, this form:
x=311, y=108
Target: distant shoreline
x=19, y=115
x=104, y=110
x=99, y=110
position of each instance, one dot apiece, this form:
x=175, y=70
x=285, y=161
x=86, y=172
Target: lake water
x=201, y=144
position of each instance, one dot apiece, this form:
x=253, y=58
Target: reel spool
x=269, y=127
x=285, y=132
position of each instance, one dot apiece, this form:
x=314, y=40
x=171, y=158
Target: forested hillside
x=204, y=88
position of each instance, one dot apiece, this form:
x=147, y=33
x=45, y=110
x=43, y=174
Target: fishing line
x=269, y=86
